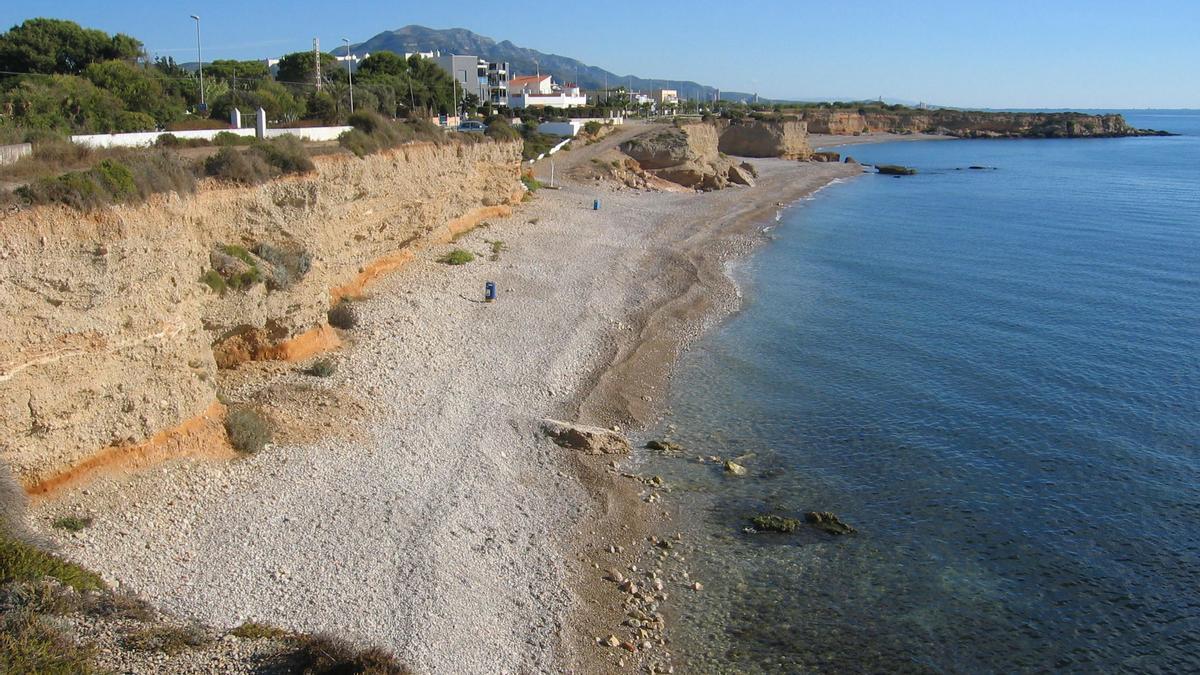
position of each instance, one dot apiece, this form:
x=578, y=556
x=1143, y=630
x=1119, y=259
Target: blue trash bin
x=596, y=205
x=489, y=291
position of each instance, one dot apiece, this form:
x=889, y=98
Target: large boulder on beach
x=586, y=439
x=685, y=154
x=738, y=174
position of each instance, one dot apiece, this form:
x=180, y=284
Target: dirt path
x=580, y=155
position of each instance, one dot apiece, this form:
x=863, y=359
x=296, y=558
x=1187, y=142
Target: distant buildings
x=540, y=90
x=487, y=80
x=666, y=96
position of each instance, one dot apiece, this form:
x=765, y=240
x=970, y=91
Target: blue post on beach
x=489, y=291
x=596, y=205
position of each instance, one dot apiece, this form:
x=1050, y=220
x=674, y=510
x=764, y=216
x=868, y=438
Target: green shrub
x=228, y=138
x=342, y=315
x=116, y=179
x=72, y=523
x=457, y=257
x=497, y=247
x=537, y=144
x=108, y=182
x=359, y=142
x=158, y=172
x=240, y=253
x=367, y=122
x=373, y=133
x=500, y=130
x=592, y=128
x=249, y=432
x=214, y=281
x=285, y=153
x=245, y=279
x=322, y=368
x=236, y=166
x=167, y=639
x=531, y=183
x=23, y=562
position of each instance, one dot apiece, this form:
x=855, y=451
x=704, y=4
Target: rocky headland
x=969, y=124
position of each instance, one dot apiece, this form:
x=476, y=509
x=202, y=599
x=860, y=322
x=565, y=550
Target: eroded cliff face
x=969, y=124
x=111, y=341
x=787, y=139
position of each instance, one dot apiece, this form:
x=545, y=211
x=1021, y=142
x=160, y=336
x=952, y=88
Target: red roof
x=527, y=79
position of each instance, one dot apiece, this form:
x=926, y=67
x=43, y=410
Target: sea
x=993, y=374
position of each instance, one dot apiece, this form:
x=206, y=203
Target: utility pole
x=317, y=61
x=200, y=61
x=349, y=74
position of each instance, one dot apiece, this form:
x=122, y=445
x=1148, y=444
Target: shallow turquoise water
x=995, y=376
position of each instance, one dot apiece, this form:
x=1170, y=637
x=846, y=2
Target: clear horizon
x=978, y=55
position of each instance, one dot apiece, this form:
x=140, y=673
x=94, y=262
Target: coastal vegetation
x=322, y=368
x=457, y=257
x=249, y=431
x=343, y=315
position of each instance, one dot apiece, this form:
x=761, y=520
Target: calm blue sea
x=995, y=376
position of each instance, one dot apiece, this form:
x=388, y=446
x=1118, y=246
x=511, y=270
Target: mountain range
x=525, y=61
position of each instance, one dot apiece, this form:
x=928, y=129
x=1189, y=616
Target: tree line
x=57, y=77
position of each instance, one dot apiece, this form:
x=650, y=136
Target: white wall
x=571, y=127
x=554, y=101
x=147, y=138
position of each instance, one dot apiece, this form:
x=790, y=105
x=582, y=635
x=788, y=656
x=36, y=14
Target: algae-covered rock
x=734, y=468
x=773, y=523
x=664, y=446
x=828, y=522
x=895, y=170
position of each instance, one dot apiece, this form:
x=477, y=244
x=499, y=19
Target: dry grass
x=29, y=644
x=325, y=655
x=167, y=639
x=252, y=630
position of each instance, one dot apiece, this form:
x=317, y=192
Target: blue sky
x=1014, y=53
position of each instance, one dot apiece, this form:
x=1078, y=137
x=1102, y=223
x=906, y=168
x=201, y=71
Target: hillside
x=523, y=60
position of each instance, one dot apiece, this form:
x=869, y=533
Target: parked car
x=473, y=126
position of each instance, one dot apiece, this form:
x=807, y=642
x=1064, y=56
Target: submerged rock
x=773, y=523
x=828, y=522
x=734, y=468
x=664, y=446
x=589, y=440
x=895, y=170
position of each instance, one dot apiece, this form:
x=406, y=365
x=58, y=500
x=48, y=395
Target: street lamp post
x=200, y=61
x=349, y=74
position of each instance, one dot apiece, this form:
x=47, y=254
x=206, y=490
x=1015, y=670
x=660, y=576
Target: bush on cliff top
x=121, y=179
x=261, y=162
x=373, y=132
